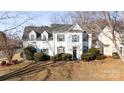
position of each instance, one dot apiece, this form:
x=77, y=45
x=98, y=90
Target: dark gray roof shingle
x=37, y=29
x=52, y=28
x=60, y=27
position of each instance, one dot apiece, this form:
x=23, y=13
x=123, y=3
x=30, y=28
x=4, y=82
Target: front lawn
x=107, y=69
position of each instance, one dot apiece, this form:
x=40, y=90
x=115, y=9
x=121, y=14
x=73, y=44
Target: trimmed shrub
x=94, y=51
x=57, y=57
x=88, y=56
x=115, y=55
x=29, y=52
x=28, y=55
x=91, y=54
x=63, y=57
x=100, y=57
x=38, y=56
x=66, y=57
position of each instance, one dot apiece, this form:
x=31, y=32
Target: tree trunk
x=120, y=55
x=118, y=51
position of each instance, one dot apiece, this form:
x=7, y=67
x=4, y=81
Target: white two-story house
x=58, y=38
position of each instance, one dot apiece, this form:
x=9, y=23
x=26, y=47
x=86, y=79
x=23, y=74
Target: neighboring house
x=58, y=38
x=105, y=43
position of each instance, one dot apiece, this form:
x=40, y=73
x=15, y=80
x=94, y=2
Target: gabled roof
x=36, y=29
x=64, y=28
x=60, y=27
x=119, y=29
x=49, y=30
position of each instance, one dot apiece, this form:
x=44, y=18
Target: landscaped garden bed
x=13, y=62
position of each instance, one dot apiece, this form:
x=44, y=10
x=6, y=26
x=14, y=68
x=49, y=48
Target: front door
x=74, y=52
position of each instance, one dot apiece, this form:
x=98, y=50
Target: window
x=60, y=37
x=32, y=37
x=85, y=49
x=75, y=38
x=44, y=38
x=46, y=51
x=85, y=37
x=60, y=49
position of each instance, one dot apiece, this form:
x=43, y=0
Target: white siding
x=42, y=45
x=67, y=43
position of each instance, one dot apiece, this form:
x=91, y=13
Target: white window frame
x=60, y=49
x=32, y=37
x=60, y=37
x=44, y=51
x=75, y=38
x=44, y=37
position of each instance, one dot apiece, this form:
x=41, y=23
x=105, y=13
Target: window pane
x=60, y=37
x=85, y=37
x=45, y=51
x=85, y=49
x=32, y=37
x=44, y=38
x=60, y=49
x=75, y=38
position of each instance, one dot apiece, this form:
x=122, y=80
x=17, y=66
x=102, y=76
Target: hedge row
x=31, y=53
x=39, y=56
x=63, y=57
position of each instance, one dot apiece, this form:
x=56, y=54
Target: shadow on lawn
x=30, y=69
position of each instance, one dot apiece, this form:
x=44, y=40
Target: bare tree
x=112, y=18
x=61, y=18
x=95, y=21
x=11, y=24
x=8, y=46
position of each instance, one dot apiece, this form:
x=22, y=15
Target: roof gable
x=32, y=32
x=44, y=32
x=77, y=27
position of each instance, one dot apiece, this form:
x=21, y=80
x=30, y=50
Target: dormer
x=32, y=35
x=44, y=36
